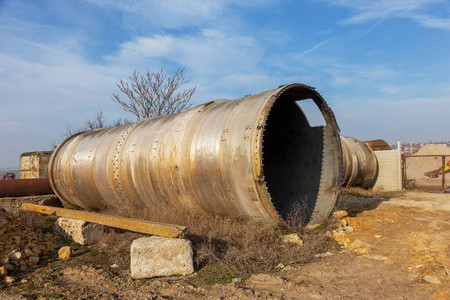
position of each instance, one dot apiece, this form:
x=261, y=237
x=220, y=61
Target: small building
x=378, y=145
x=34, y=164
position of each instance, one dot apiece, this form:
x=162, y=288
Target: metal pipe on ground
x=25, y=187
x=254, y=157
x=359, y=163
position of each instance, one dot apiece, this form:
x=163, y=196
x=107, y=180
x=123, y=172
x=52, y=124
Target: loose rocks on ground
x=21, y=247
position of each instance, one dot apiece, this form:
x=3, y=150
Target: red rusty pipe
x=25, y=187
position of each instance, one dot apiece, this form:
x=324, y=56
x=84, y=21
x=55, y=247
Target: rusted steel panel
x=25, y=187
x=359, y=161
x=34, y=164
x=253, y=157
x=142, y=226
x=378, y=145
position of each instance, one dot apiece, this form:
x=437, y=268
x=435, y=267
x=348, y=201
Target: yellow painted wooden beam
x=142, y=226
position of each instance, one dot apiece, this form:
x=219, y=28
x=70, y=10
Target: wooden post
x=142, y=226
x=400, y=169
x=443, y=173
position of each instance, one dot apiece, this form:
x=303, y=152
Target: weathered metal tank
x=359, y=163
x=253, y=157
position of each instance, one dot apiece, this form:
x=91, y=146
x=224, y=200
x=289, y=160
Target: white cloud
x=208, y=53
x=315, y=47
x=422, y=12
x=177, y=13
x=359, y=75
x=432, y=22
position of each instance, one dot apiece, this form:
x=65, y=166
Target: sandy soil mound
x=416, y=167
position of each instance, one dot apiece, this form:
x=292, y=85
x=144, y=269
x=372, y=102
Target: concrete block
x=158, y=256
x=79, y=231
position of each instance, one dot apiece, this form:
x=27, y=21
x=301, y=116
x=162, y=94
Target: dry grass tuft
x=360, y=192
x=41, y=222
x=226, y=248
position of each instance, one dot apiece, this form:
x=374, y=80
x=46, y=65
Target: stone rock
x=378, y=236
x=3, y=271
x=33, y=260
x=158, y=256
x=280, y=266
x=82, y=232
x=338, y=235
x=9, y=280
x=65, y=252
x=36, y=250
x=9, y=267
x=29, y=253
x=431, y=279
x=348, y=229
x=322, y=255
x=15, y=255
x=340, y=214
x=292, y=238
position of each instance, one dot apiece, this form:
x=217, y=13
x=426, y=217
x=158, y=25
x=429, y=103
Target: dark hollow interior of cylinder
x=292, y=157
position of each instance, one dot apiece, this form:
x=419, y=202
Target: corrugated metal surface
x=254, y=157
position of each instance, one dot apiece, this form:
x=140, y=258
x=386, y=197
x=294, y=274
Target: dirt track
x=396, y=243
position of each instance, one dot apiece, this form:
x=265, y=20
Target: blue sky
x=383, y=66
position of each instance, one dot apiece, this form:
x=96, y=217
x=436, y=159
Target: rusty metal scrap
x=360, y=163
x=25, y=187
x=34, y=164
x=253, y=157
x=142, y=226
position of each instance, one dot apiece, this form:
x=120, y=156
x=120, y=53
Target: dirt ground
x=396, y=242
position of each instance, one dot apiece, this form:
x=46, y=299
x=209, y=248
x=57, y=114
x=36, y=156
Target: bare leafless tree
x=97, y=122
x=155, y=94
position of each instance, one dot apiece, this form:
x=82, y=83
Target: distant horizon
x=11, y=168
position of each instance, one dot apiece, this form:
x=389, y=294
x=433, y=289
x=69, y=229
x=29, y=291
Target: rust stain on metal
x=142, y=226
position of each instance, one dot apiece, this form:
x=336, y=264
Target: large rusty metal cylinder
x=253, y=157
x=359, y=163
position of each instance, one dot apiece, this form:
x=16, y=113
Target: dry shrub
x=36, y=220
x=116, y=244
x=226, y=247
x=360, y=192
